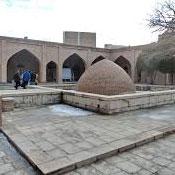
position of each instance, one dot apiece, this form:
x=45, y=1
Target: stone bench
x=7, y=104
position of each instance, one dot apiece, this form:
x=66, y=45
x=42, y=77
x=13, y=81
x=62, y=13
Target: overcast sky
x=120, y=22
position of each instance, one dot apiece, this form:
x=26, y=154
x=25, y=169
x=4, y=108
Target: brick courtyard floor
x=54, y=140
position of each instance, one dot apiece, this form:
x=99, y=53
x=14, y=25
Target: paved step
x=59, y=166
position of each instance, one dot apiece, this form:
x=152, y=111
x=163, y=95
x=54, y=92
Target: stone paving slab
x=11, y=163
x=151, y=159
x=80, y=140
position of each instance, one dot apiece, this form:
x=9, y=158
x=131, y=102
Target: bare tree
x=163, y=17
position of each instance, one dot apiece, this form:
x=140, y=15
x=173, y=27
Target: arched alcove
x=22, y=60
x=98, y=59
x=51, y=72
x=124, y=63
x=73, y=68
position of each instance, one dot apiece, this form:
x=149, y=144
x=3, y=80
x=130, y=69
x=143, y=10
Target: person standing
x=25, y=79
x=33, y=78
x=17, y=79
x=36, y=79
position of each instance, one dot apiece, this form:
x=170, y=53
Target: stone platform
x=57, y=142
x=111, y=104
x=32, y=97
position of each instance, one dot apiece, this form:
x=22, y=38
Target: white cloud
x=115, y=21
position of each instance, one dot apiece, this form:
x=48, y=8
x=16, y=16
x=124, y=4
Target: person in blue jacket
x=26, y=76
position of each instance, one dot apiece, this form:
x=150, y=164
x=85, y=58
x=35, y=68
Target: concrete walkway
x=57, y=141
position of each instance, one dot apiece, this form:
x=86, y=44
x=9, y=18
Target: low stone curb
x=64, y=165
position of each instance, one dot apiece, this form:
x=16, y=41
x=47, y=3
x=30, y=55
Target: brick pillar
x=59, y=73
x=4, y=62
x=42, y=78
x=42, y=68
x=59, y=67
x=0, y=112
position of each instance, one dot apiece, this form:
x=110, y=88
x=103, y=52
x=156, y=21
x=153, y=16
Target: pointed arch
x=51, y=72
x=124, y=63
x=22, y=60
x=98, y=59
x=73, y=68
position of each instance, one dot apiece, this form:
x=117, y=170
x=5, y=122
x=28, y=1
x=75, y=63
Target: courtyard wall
x=46, y=52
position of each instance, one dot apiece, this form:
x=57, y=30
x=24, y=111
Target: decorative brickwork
x=106, y=78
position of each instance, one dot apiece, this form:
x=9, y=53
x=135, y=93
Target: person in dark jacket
x=33, y=78
x=25, y=78
x=17, y=79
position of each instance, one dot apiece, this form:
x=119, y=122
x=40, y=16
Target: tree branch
x=163, y=17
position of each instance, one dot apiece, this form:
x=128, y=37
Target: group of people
x=27, y=77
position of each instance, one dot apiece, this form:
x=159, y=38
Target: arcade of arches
x=121, y=61
x=72, y=69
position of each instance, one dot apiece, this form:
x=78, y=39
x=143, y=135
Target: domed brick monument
x=105, y=78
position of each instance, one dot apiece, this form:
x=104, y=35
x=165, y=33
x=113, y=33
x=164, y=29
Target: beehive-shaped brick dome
x=105, y=78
